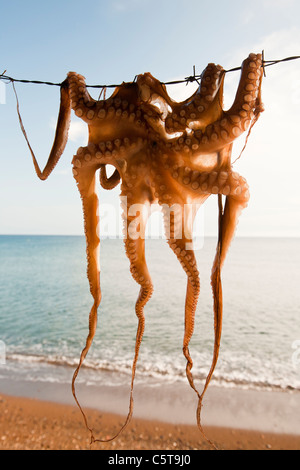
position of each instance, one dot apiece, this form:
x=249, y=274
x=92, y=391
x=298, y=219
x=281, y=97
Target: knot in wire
x=193, y=78
x=5, y=78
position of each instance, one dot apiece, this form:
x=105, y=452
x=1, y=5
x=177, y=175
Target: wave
x=120, y=370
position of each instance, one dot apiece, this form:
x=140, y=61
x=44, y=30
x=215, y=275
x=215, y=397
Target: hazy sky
x=112, y=41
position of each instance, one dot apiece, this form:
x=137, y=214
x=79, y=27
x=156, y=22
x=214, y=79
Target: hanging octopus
x=167, y=153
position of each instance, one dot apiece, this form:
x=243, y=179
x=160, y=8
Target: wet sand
x=30, y=424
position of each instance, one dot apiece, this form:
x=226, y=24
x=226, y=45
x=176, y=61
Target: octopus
x=174, y=154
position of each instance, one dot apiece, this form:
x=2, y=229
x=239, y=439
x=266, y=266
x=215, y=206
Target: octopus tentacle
x=227, y=226
x=204, y=106
x=225, y=182
x=248, y=97
x=182, y=247
x=134, y=233
x=234, y=205
x=81, y=101
x=112, y=181
x=61, y=134
x=151, y=89
x=86, y=182
x=122, y=110
x=221, y=129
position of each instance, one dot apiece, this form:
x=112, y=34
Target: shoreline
x=43, y=415
x=31, y=424
x=170, y=402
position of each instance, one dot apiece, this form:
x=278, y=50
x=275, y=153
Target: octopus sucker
x=134, y=131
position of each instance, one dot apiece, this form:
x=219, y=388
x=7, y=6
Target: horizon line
x=155, y=237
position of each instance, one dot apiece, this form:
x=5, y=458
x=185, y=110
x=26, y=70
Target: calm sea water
x=45, y=302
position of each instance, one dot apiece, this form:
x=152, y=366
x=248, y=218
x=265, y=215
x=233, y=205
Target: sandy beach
x=30, y=424
x=39, y=415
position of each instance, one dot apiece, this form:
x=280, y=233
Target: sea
x=45, y=303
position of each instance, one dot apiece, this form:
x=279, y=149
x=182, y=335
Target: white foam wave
x=167, y=371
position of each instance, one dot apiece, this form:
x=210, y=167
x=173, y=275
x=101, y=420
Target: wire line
x=190, y=79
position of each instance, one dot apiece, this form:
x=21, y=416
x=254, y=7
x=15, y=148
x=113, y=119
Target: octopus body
x=167, y=153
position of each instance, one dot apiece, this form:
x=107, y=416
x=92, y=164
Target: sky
x=113, y=41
